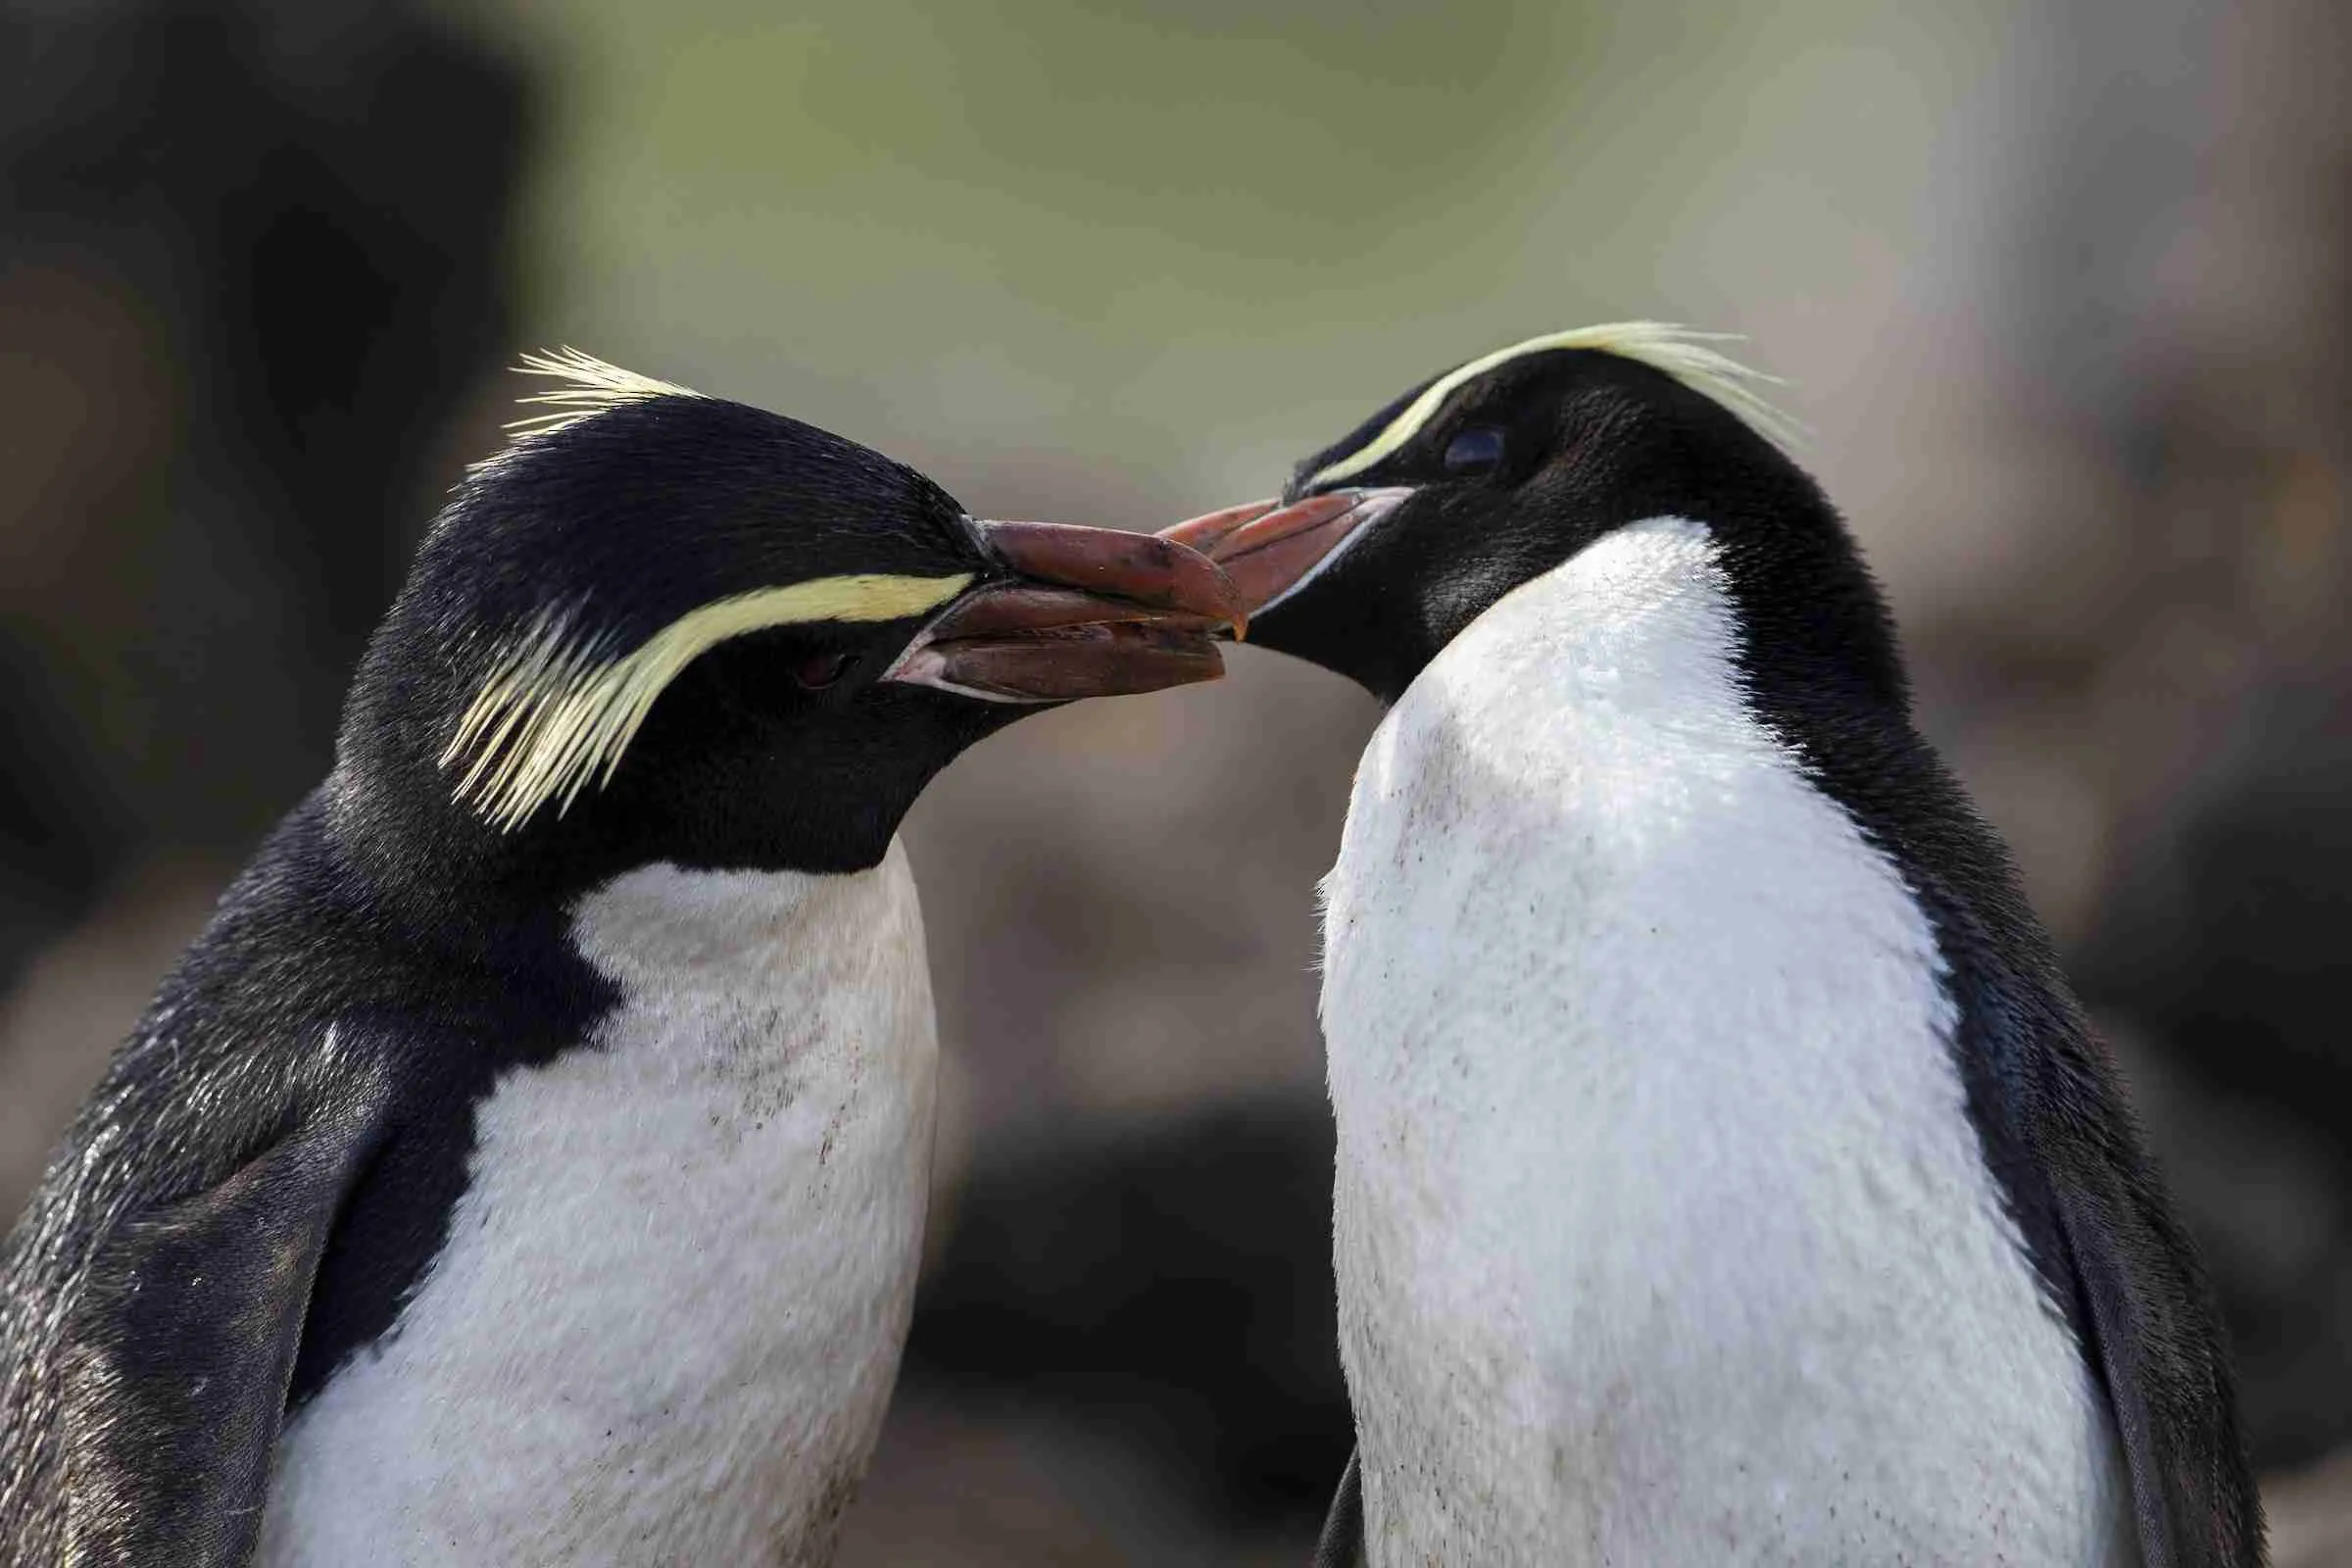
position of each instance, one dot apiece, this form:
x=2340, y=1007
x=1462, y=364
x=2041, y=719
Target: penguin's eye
x=1476, y=447
x=817, y=671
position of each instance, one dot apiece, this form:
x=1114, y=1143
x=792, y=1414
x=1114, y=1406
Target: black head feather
x=598, y=535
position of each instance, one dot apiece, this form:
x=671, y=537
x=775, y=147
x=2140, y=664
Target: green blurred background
x=2060, y=290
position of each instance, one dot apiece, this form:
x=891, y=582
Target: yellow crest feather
x=1679, y=352
x=588, y=388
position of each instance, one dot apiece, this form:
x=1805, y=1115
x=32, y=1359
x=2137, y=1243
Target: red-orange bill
x=1109, y=658
x=1269, y=550
x=1090, y=613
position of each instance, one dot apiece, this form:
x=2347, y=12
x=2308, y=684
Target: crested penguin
x=528, y=1162
x=1725, y=1171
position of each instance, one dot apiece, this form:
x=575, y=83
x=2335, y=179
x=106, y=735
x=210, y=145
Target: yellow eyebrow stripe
x=1678, y=351
x=556, y=715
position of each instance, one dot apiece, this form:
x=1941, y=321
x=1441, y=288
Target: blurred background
x=2064, y=291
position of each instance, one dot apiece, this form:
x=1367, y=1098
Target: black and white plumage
x=528, y=1162
x=1725, y=1171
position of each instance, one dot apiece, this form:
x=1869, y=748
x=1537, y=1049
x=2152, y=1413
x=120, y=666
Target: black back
x=1592, y=442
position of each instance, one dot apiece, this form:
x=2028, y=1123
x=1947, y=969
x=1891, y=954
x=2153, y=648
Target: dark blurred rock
x=2224, y=951
x=2230, y=930
x=1168, y=1285
x=269, y=242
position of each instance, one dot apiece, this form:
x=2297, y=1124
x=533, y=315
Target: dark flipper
x=178, y=1350
x=2158, y=1350
x=1342, y=1542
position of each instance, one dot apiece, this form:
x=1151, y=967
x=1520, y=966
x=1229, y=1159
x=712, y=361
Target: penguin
x=1725, y=1171
x=527, y=1163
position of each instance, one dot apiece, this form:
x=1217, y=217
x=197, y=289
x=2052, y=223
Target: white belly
x=669, y=1314
x=1662, y=1235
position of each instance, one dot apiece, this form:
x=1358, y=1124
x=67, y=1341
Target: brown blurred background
x=2064, y=291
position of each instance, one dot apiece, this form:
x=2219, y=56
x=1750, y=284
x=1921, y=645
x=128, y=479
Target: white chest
x=1662, y=1234
x=669, y=1315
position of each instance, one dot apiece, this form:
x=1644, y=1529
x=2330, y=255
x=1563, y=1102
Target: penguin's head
x=1388, y=543
x=664, y=626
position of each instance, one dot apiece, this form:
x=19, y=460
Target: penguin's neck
x=1660, y=1224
